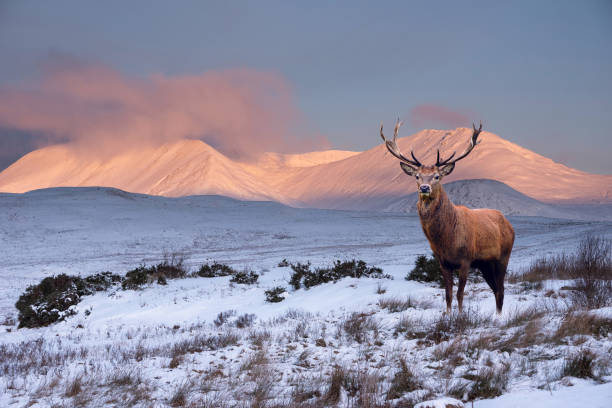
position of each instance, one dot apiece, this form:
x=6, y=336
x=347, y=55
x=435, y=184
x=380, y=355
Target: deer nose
x=425, y=188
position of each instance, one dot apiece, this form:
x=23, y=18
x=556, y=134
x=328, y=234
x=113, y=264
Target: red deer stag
x=460, y=238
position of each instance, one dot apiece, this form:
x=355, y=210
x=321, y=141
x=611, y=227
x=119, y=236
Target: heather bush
x=304, y=276
x=215, y=270
x=245, y=278
x=275, y=294
x=426, y=270
x=53, y=298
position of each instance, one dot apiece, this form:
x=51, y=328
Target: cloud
x=428, y=115
x=240, y=112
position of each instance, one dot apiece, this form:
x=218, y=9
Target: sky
x=296, y=76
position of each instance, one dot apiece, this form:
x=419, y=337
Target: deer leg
x=463, y=275
x=448, y=282
x=500, y=274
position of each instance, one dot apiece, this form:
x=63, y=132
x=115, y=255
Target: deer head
x=428, y=178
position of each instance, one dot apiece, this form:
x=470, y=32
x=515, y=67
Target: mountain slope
x=330, y=179
x=370, y=179
x=482, y=193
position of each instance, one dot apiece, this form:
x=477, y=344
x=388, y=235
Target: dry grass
x=583, y=323
x=404, y=380
x=396, y=305
x=590, y=267
x=580, y=365
x=359, y=326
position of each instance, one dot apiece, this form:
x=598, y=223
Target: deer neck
x=437, y=215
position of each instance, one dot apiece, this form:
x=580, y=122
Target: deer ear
x=408, y=169
x=447, y=169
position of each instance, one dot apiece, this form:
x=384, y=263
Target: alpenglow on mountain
x=330, y=179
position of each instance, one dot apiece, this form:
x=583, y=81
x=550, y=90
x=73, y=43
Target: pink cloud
x=427, y=115
x=240, y=112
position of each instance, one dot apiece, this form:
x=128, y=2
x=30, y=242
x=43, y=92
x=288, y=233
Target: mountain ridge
x=332, y=179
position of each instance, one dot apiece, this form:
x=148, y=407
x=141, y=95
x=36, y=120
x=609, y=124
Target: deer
x=460, y=238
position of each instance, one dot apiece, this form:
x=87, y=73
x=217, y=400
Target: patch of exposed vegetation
x=304, y=276
x=160, y=273
x=275, y=294
x=245, y=278
x=214, y=270
x=590, y=267
x=53, y=298
x=426, y=270
x=579, y=365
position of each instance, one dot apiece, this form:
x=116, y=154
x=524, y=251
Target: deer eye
x=437, y=177
x=417, y=176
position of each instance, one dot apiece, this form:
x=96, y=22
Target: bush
x=590, y=267
x=223, y=317
x=102, y=281
x=426, y=270
x=303, y=275
x=245, y=278
x=160, y=273
x=52, y=299
x=592, y=273
x=245, y=320
x=284, y=263
x=275, y=294
x=215, y=270
x=299, y=270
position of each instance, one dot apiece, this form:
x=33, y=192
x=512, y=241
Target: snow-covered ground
x=162, y=341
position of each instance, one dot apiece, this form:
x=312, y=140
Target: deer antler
x=473, y=142
x=394, y=149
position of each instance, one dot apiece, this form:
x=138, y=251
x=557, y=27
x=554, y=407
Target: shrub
x=51, y=300
x=303, y=275
x=592, y=273
x=426, y=270
x=299, y=270
x=102, y=281
x=284, y=263
x=245, y=320
x=136, y=278
x=223, y=317
x=245, y=278
x=590, y=266
x=160, y=273
x=275, y=294
x=215, y=270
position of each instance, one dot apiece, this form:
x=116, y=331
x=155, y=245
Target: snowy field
x=360, y=337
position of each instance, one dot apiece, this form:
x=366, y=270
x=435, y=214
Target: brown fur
x=461, y=239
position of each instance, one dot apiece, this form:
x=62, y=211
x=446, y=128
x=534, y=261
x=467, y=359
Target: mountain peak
x=327, y=179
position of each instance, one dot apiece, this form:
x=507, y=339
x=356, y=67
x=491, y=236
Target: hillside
x=482, y=193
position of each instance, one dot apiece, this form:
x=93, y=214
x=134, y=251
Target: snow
x=576, y=396
x=89, y=230
x=366, y=180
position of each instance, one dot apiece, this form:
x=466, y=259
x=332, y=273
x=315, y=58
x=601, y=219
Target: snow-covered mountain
x=329, y=179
